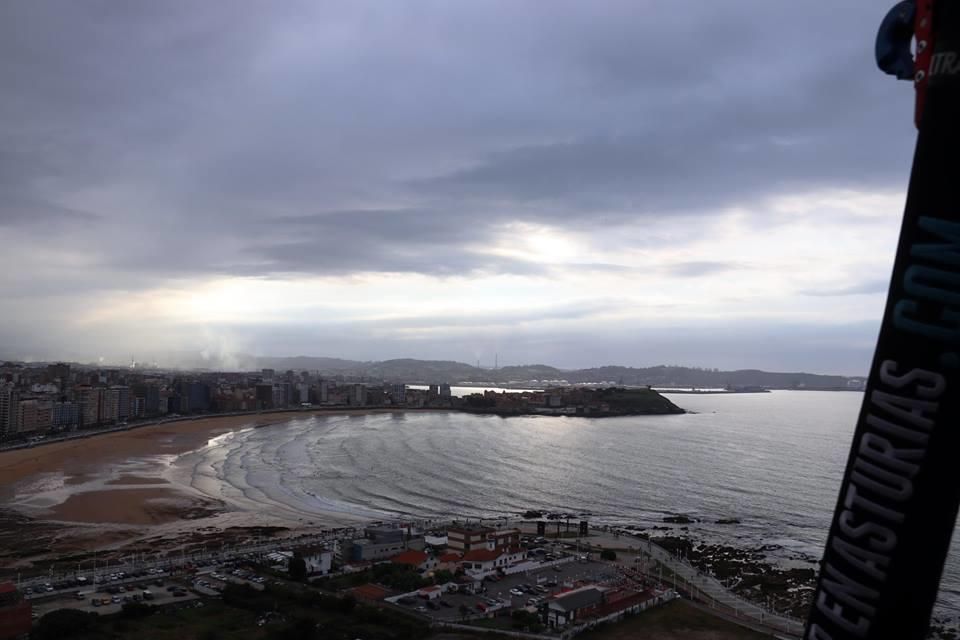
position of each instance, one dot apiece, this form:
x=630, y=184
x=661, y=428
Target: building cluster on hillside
x=474, y=556
x=468, y=548
x=40, y=399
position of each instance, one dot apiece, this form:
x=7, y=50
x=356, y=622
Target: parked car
x=516, y=592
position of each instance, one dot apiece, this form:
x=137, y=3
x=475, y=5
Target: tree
x=346, y=604
x=63, y=623
x=608, y=554
x=135, y=610
x=297, y=567
x=299, y=629
x=442, y=577
x=523, y=619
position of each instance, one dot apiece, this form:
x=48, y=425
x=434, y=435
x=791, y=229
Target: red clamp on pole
x=923, y=35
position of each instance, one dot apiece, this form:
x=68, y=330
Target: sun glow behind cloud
x=375, y=180
x=745, y=268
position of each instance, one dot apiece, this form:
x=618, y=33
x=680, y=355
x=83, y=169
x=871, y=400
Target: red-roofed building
x=482, y=561
x=416, y=559
x=15, y=619
x=481, y=555
x=370, y=592
x=448, y=561
x=620, y=599
x=430, y=593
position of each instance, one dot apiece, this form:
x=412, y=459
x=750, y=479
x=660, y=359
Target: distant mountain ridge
x=413, y=371
x=434, y=371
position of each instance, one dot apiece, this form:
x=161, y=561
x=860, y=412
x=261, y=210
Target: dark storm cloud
x=345, y=253
x=211, y=117
x=21, y=211
x=399, y=241
x=146, y=145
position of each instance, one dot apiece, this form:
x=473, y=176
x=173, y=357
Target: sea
x=773, y=461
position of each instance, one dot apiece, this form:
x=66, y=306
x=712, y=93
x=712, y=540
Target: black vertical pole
x=898, y=501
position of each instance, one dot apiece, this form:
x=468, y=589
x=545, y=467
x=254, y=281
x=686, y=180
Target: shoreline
x=183, y=435
x=119, y=479
x=110, y=492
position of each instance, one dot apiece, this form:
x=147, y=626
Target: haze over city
x=652, y=183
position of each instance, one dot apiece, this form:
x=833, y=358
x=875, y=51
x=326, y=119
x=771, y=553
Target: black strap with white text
x=897, y=506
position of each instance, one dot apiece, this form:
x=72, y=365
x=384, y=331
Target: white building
x=319, y=560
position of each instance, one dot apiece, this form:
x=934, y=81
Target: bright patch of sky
x=632, y=183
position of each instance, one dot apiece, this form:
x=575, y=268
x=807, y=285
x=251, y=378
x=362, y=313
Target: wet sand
x=128, y=480
x=138, y=497
x=129, y=506
x=86, y=456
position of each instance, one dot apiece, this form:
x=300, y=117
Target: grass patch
x=676, y=620
x=295, y=614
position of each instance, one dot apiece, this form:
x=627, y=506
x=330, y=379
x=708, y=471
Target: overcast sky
x=575, y=183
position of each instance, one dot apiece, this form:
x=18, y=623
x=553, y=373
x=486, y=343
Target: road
x=699, y=586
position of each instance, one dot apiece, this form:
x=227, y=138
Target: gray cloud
x=696, y=268
x=23, y=212
x=176, y=140
x=877, y=285
x=216, y=118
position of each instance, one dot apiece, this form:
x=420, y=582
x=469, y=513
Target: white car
x=516, y=592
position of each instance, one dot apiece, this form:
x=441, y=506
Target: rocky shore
x=750, y=573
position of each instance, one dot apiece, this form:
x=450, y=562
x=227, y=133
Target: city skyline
x=634, y=185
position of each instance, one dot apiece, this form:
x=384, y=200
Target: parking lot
x=115, y=590
x=212, y=581
x=160, y=596
x=514, y=592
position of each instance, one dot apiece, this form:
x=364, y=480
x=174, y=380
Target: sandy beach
x=85, y=456
x=71, y=494
x=128, y=506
